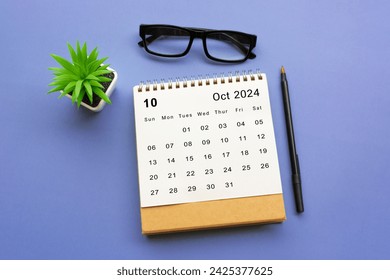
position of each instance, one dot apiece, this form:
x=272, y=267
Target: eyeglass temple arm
x=149, y=40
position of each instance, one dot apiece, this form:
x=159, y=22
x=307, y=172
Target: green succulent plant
x=83, y=75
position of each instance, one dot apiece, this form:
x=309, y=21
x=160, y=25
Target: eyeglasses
x=219, y=45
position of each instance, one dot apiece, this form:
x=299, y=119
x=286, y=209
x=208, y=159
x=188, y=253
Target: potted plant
x=86, y=80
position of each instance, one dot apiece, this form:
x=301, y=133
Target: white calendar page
x=208, y=142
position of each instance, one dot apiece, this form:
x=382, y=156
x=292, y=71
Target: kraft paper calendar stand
x=213, y=214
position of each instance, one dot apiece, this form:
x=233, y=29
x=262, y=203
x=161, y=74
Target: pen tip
x=282, y=70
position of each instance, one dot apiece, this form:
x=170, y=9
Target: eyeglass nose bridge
x=198, y=32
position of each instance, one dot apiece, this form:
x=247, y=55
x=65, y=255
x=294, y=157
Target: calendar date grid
x=219, y=143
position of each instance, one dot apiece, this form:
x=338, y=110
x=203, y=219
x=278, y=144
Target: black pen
x=296, y=173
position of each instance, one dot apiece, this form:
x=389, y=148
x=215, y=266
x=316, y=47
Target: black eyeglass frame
x=202, y=34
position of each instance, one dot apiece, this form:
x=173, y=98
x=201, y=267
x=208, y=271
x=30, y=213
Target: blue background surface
x=68, y=177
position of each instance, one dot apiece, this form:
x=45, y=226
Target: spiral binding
x=193, y=82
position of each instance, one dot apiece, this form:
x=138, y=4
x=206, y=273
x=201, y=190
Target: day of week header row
x=202, y=114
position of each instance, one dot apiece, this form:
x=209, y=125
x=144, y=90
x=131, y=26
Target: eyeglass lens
x=167, y=41
x=227, y=46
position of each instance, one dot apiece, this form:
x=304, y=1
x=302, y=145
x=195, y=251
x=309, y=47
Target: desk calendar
x=206, y=154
